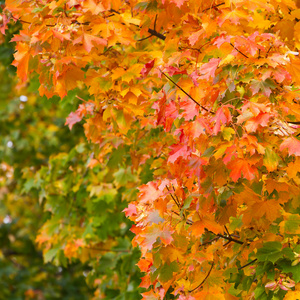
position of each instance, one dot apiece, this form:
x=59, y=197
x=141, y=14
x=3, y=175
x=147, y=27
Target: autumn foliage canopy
x=193, y=111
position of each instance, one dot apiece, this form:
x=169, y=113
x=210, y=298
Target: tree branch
x=215, y=6
x=210, y=241
x=177, y=203
x=187, y=221
x=246, y=265
x=229, y=238
x=157, y=34
x=239, y=50
x=186, y=92
x=212, y=265
x=227, y=230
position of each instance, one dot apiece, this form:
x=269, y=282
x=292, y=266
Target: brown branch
x=175, y=194
x=187, y=221
x=210, y=241
x=295, y=123
x=157, y=34
x=145, y=38
x=227, y=230
x=229, y=238
x=269, y=51
x=177, y=203
x=155, y=22
x=215, y=6
x=246, y=265
x=186, y=92
x=239, y=50
x=202, y=282
x=226, y=243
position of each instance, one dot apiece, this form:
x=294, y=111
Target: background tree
x=44, y=187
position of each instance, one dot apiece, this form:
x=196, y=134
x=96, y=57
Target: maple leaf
x=153, y=233
x=294, y=69
x=149, y=192
x=190, y=110
x=147, y=68
x=178, y=151
x=241, y=167
x=234, y=16
x=72, y=119
x=179, y=3
x=130, y=210
x=22, y=57
x=265, y=86
x=292, y=144
x=149, y=295
x=195, y=36
x=220, y=40
x=89, y=41
x=248, y=43
x=62, y=36
x=144, y=265
x=208, y=70
x=223, y=116
x=261, y=120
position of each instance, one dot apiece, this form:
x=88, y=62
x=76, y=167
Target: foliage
x=31, y=131
x=195, y=102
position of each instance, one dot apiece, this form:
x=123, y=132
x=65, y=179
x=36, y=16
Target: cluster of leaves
x=195, y=102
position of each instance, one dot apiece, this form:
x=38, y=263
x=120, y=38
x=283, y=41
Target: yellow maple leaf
x=292, y=295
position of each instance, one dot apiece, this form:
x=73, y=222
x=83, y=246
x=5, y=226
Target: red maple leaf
x=178, y=150
x=130, y=210
x=208, y=70
x=147, y=68
x=72, y=119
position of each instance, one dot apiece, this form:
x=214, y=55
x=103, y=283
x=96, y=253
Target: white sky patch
x=23, y=98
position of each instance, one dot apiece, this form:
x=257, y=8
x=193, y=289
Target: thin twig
x=215, y=6
x=226, y=243
x=145, y=38
x=187, y=221
x=269, y=51
x=210, y=241
x=175, y=194
x=212, y=265
x=227, y=230
x=186, y=92
x=155, y=22
x=230, y=239
x=246, y=265
x=239, y=50
x=177, y=203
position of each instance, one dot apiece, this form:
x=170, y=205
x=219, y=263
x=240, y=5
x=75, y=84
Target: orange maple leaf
x=241, y=167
